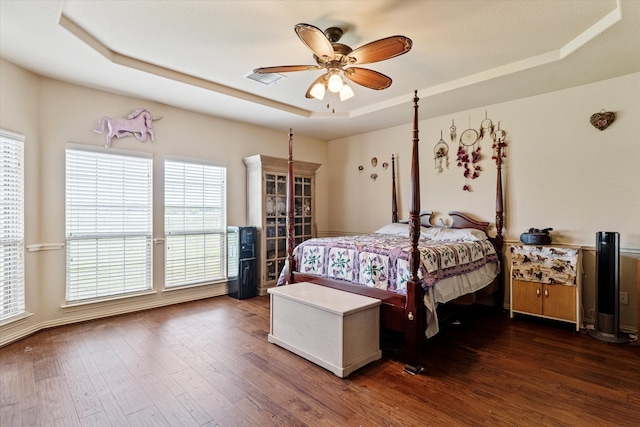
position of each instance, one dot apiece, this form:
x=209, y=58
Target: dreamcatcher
x=441, y=154
x=486, y=126
x=469, y=155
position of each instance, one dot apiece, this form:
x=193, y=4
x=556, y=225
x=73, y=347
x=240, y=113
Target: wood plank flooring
x=208, y=363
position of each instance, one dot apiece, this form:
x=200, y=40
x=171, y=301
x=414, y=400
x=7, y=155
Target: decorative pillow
x=395, y=228
x=439, y=234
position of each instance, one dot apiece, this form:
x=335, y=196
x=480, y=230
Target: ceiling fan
x=337, y=57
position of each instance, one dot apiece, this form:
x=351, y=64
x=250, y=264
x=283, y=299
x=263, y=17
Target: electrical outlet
x=624, y=297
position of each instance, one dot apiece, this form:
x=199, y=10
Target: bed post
x=499, y=205
x=394, y=197
x=499, y=146
x=413, y=311
x=290, y=213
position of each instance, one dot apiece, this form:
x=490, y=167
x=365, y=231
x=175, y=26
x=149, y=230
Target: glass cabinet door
x=276, y=219
x=267, y=188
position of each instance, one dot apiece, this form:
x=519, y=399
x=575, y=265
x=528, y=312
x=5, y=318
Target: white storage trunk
x=337, y=330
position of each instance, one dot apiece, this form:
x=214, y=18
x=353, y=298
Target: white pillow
x=439, y=234
x=395, y=228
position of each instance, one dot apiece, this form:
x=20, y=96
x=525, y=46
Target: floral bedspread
x=382, y=261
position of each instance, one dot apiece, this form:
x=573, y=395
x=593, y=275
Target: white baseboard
x=91, y=314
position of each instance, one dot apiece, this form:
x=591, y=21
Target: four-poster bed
x=405, y=301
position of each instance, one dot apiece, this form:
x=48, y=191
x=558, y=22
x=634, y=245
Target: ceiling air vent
x=267, y=79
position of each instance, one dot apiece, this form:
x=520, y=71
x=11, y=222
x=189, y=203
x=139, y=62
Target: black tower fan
x=608, y=288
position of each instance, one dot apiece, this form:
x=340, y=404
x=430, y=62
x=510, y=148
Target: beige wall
x=51, y=113
x=560, y=172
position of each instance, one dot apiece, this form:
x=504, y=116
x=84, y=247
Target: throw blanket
x=382, y=260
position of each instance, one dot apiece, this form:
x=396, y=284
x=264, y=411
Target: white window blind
x=109, y=223
x=195, y=222
x=12, y=301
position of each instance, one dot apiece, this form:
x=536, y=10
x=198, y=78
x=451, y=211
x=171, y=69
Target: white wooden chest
x=337, y=330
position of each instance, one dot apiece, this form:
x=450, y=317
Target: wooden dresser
x=546, y=282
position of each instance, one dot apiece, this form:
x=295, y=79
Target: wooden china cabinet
x=266, y=209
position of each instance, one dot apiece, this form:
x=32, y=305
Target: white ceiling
x=195, y=54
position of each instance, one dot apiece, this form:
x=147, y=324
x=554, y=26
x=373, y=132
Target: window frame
x=12, y=237
x=173, y=279
x=108, y=233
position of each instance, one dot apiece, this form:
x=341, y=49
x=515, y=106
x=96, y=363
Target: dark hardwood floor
x=209, y=363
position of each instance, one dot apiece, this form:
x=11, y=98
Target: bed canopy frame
x=406, y=313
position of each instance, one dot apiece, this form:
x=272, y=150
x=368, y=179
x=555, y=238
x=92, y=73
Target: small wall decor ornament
x=441, y=155
x=138, y=124
x=603, y=119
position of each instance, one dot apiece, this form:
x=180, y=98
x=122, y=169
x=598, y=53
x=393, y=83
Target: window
x=195, y=222
x=12, y=225
x=109, y=222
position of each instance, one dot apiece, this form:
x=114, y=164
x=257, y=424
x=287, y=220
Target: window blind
x=12, y=301
x=195, y=222
x=108, y=223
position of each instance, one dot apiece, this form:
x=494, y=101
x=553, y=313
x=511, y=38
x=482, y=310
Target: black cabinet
x=241, y=261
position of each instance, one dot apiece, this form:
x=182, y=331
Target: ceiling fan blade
x=314, y=39
x=286, y=69
x=316, y=81
x=380, y=50
x=367, y=78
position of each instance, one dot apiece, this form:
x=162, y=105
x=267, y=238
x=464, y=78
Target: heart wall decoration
x=603, y=119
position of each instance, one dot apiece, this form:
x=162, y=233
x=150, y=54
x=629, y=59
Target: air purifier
x=607, y=316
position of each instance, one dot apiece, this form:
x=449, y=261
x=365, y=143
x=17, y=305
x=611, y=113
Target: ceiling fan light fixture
x=338, y=58
x=335, y=83
x=317, y=91
x=345, y=93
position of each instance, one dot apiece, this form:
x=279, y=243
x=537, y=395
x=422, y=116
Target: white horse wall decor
x=138, y=124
